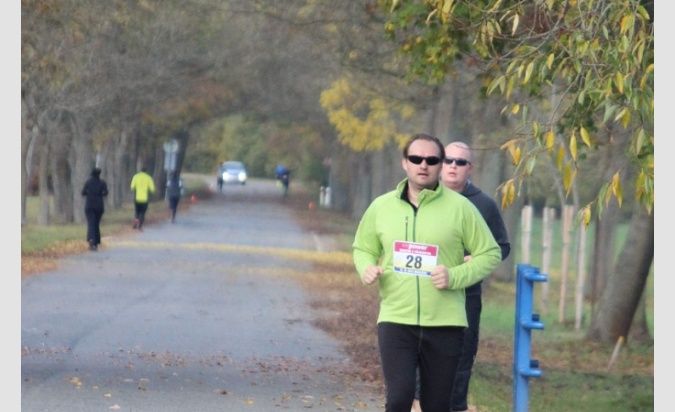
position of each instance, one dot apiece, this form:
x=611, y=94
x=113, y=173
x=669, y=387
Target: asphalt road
x=190, y=316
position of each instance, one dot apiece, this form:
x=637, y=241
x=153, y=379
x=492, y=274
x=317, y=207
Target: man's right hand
x=371, y=274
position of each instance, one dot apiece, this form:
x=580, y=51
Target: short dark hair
x=427, y=137
x=96, y=172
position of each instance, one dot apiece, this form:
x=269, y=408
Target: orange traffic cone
x=193, y=199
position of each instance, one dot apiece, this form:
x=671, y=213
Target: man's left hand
x=440, y=277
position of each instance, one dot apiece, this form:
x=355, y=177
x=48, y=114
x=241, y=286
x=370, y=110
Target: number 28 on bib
x=416, y=259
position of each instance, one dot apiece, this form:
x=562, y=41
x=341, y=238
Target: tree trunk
x=27, y=139
x=43, y=179
x=603, y=252
x=63, y=189
x=60, y=172
x=338, y=180
x=620, y=298
x=362, y=186
x=639, y=330
x=81, y=162
x=116, y=167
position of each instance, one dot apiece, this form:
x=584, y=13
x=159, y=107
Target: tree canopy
x=592, y=60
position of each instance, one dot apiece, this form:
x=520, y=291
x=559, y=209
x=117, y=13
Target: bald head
x=463, y=146
x=456, y=174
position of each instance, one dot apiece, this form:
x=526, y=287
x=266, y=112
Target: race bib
x=416, y=259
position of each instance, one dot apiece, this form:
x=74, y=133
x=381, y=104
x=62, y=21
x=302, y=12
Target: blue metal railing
x=524, y=367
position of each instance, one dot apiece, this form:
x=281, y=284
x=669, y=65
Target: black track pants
x=436, y=350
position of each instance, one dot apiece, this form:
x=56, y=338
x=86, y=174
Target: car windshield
x=232, y=166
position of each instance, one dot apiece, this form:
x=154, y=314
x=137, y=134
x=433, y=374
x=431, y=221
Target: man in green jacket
x=411, y=242
x=143, y=186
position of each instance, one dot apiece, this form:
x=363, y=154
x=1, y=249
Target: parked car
x=232, y=171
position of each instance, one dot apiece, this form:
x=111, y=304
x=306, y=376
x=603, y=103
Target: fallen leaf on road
x=76, y=381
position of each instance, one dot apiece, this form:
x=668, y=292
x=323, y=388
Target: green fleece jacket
x=444, y=218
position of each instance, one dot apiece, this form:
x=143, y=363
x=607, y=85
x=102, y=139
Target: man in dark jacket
x=456, y=173
x=174, y=190
x=94, y=190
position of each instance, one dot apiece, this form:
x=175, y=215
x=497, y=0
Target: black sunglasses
x=458, y=162
x=431, y=160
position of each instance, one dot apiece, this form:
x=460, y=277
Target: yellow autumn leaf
x=618, y=81
x=560, y=158
x=508, y=144
x=516, y=20
x=394, y=3
x=639, y=184
x=616, y=188
x=508, y=193
x=569, y=174
x=516, y=156
x=625, y=119
x=515, y=108
x=550, y=140
x=512, y=193
x=447, y=6
x=626, y=22
x=528, y=72
x=585, y=136
x=549, y=60
x=586, y=215
x=621, y=114
x=573, y=146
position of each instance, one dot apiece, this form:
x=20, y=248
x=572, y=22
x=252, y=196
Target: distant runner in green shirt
x=143, y=186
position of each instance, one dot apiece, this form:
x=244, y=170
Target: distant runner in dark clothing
x=174, y=190
x=95, y=189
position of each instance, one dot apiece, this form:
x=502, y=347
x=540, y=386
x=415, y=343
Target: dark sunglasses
x=458, y=162
x=431, y=160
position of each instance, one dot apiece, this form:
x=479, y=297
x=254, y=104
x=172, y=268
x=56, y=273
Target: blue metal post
x=524, y=367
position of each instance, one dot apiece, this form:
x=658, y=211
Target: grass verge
x=42, y=246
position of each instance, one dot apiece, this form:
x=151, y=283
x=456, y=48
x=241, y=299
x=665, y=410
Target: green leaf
x=609, y=111
x=639, y=141
x=531, y=162
x=497, y=82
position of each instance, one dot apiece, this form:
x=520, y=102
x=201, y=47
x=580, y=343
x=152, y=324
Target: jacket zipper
x=417, y=278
